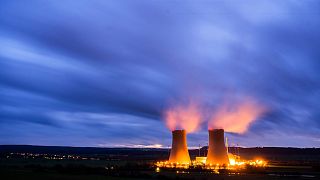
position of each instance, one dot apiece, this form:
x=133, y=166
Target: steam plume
x=183, y=117
x=236, y=117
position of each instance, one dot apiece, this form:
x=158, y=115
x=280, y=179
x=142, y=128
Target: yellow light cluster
x=172, y=165
x=234, y=164
x=258, y=163
x=237, y=164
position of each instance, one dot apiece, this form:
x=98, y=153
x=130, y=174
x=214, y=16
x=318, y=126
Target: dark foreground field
x=35, y=162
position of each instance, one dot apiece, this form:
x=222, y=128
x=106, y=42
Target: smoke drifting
x=183, y=117
x=236, y=117
x=231, y=116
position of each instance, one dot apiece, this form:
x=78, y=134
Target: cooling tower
x=179, y=151
x=217, y=152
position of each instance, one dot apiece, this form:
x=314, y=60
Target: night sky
x=102, y=73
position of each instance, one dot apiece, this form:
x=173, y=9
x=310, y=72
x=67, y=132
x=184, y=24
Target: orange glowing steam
x=237, y=117
x=183, y=117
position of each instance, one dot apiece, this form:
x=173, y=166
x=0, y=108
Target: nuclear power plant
x=217, y=151
x=217, y=155
x=179, y=151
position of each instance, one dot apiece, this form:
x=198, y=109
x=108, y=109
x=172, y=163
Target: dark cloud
x=106, y=71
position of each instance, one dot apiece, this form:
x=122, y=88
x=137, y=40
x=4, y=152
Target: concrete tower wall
x=179, y=151
x=217, y=152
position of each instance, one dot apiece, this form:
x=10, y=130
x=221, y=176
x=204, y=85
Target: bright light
x=232, y=162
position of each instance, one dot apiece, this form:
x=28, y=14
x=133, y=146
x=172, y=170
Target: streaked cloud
x=101, y=72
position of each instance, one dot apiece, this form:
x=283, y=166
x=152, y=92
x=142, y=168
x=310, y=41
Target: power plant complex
x=217, y=155
x=217, y=151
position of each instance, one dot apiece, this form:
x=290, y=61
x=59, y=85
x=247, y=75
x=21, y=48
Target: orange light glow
x=235, y=164
x=237, y=117
x=183, y=117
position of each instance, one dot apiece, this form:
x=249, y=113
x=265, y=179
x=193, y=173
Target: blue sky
x=102, y=73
